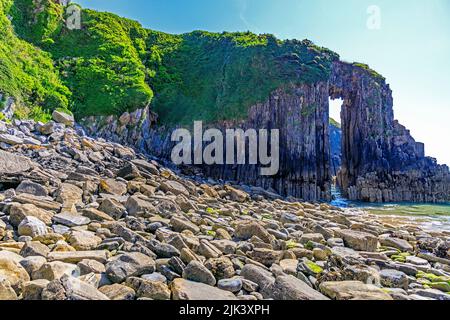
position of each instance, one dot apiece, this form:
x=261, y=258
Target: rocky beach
x=88, y=219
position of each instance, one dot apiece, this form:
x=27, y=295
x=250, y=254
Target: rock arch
x=381, y=160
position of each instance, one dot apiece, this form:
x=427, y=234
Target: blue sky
x=411, y=48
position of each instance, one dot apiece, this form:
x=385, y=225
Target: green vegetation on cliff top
x=113, y=65
x=27, y=73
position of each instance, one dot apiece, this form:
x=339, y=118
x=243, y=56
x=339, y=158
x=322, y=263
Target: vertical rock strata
x=381, y=162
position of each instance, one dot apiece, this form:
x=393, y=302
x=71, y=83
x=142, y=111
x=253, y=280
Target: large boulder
x=12, y=271
x=246, y=230
x=69, y=195
x=112, y=186
x=133, y=264
x=188, y=290
x=13, y=164
x=358, y=240
x=288, y=287
x=6, y=291
x=195, y=271
x=263, y=278
x=32, y=227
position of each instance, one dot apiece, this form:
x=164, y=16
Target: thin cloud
x=243, y=5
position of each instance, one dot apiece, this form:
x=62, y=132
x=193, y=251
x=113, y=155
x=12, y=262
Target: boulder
x=237, y=195
x=33, y=249
x=33, y=188
x=87, y=266
x=155, y=290
x=32, y=290
x=133, y=264
x=33, y=263
x=195, y=271
x=246, y=230
x=232, y=285
x=12, y=271
x=71, y=288
x=10, y=139
x=118, y=292
x=287, y=287
x=266, y=256
x=96, y=215
x=138, y=206
x=394, y=279
x=113, y=208
x=360, y=241
x=174, y=187
x=112, y=186
x=64, y=118
x=188, y=290
x=180, y=224
x=263, y=278
x=353, y=290
x=55, y=270
x=18, y=212
x=13, y=164
x=6, y=291
x=397, y=243
x=69, y=195
x=83, y=240
x=32, y=227
x=221, y=268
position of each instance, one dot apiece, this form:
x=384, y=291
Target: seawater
x=431, y=217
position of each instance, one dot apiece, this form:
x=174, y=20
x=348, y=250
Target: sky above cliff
x=408, y=41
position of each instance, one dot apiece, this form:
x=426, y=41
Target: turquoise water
x=434, y=217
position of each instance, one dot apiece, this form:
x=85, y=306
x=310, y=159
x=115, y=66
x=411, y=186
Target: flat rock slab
x=10, y=139
x=291, y=288
x=71, y=219
x=12, y=164
x=353, y=290
x=189, y=290
x=77, y=256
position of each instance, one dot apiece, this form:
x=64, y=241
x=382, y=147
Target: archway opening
x=335, y=135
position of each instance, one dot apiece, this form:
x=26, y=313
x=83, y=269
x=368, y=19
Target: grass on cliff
x=26, y=72
x=101, y=63
x=212, y=77
x=113, y=65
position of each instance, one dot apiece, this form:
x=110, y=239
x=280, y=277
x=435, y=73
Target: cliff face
x=381, y=162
